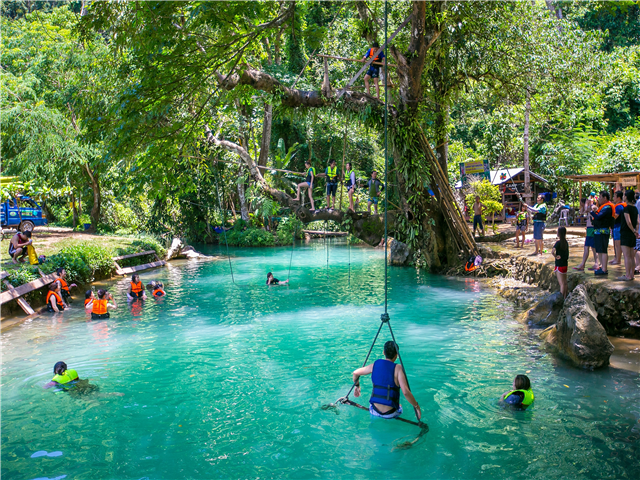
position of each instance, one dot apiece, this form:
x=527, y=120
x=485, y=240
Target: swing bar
x=422, y=425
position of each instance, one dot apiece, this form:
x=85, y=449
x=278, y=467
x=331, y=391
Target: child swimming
x=271, y=280
x=521, y=396
x=157, y=289
x=101, y=305
x=62, y=375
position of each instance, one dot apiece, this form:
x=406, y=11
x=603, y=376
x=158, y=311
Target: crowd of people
x=605, y=220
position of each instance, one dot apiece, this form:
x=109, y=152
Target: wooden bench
x=16, y=293
x=137, y=268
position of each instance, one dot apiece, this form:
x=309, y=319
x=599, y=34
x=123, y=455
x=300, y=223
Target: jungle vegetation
x=158, y=116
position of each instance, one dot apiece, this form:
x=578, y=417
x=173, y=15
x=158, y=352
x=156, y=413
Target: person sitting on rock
x=521, y=396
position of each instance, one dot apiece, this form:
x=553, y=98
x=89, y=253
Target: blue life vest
x=385, y=391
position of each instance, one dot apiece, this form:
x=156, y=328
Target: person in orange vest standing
x=602, y=223
x=374, y=70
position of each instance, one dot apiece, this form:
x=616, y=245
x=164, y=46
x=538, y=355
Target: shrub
x=287, y=227
x=141, y=245
x=489, y=195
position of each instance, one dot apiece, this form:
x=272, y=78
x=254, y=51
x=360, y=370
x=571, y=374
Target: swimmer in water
x=271, y=280
x=521, y=396
x=157, y=289
x=89, y=297
x=135, y=288
x=68, y=380
x=101, y=305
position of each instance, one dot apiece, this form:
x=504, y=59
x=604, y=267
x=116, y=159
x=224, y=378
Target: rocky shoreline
x=576, y=327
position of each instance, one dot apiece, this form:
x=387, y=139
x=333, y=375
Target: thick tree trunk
x=442, y=137
x=97, y=198
x=265, y=141
x=74, y=210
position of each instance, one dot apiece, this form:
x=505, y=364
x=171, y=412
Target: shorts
x=99, y=316
x=628, y=241
x=538, y=229
x=477, y=220
x=310, y=185
x=521, y=228
x=332, y=188
x=373, y=72
x=590, y=240
x=389, y=415
x=616, y=232
x=601, y=242
x=373, y=200
x=561, y=269
x=638, y=244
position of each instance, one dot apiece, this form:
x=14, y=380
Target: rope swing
x=384, y=318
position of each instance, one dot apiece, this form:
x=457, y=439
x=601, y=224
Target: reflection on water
x=227, y=381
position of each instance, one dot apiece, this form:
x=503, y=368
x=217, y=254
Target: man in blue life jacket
x=388, y=379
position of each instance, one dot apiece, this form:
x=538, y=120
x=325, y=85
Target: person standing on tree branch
x=374, y=70
x=332, y=184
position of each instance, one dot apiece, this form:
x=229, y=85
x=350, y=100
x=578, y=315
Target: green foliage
x=287, y=229
x=489, y=196
x=249, y=237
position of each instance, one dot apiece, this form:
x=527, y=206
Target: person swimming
x=271, y=280
x=135, y=288
x=101, y=305
x=157, y=289
x=62, y=376
x=521, y=396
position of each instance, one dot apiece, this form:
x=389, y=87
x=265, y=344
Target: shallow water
x=227, y=381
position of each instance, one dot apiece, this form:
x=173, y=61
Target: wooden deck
x=145, y=266
x=16, y=293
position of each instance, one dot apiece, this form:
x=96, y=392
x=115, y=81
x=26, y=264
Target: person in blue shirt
x=374, y=70
x=539, y=211
x=388, y=379
x=602, y=222
x=618, y=215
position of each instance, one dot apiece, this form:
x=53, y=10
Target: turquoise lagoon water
x=226, y=381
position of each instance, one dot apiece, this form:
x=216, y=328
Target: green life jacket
x=521, y=218
x=68, y=376
x=332, y=174
x=373, y=188
x=541, y=216
x=528, y=396
x=309, y=172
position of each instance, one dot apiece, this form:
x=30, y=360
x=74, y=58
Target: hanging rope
x=384, y=318
x=293, y=243
x=224, y=220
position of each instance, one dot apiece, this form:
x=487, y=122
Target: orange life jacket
x=99, y=307
x=468, y=268
x=624, y=205
x=63, y=285
x=371, y=52
x=58, y=299
x=613, y=207
x=158, y=292
x=136, y=289
x=88, y=300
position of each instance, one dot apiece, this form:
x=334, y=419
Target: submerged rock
x=578, y=334
x=545, y=312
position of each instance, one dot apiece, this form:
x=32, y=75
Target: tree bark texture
x=266, y=135
x=525, y=146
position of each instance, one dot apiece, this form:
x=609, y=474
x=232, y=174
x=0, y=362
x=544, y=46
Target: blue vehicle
x=22, y=213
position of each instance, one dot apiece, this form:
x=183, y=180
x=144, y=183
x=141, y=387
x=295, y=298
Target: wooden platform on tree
x=16, y=293
x=138, y=268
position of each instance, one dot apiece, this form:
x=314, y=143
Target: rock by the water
x=399, y=252
x=545, y=312
x=174, y=249
x=578, y=334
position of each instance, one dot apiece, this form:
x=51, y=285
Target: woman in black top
x=271, y=280
x=628, y=235
x=561, y=254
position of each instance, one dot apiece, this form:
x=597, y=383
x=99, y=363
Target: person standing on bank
x=539, y=211
x=388, y=379
x=629, y=236
x=589, y=240
x=522, y=224
x=618, y=215
x=561, y=254
x=374, y=70
x=375, y=186
x=477, y=216
x=350, y=177
x=332, y=183
x=602, y=221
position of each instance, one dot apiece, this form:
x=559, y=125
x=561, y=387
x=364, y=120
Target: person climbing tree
x=374, y=70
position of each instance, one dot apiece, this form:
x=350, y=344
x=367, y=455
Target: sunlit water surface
x=227, y=381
